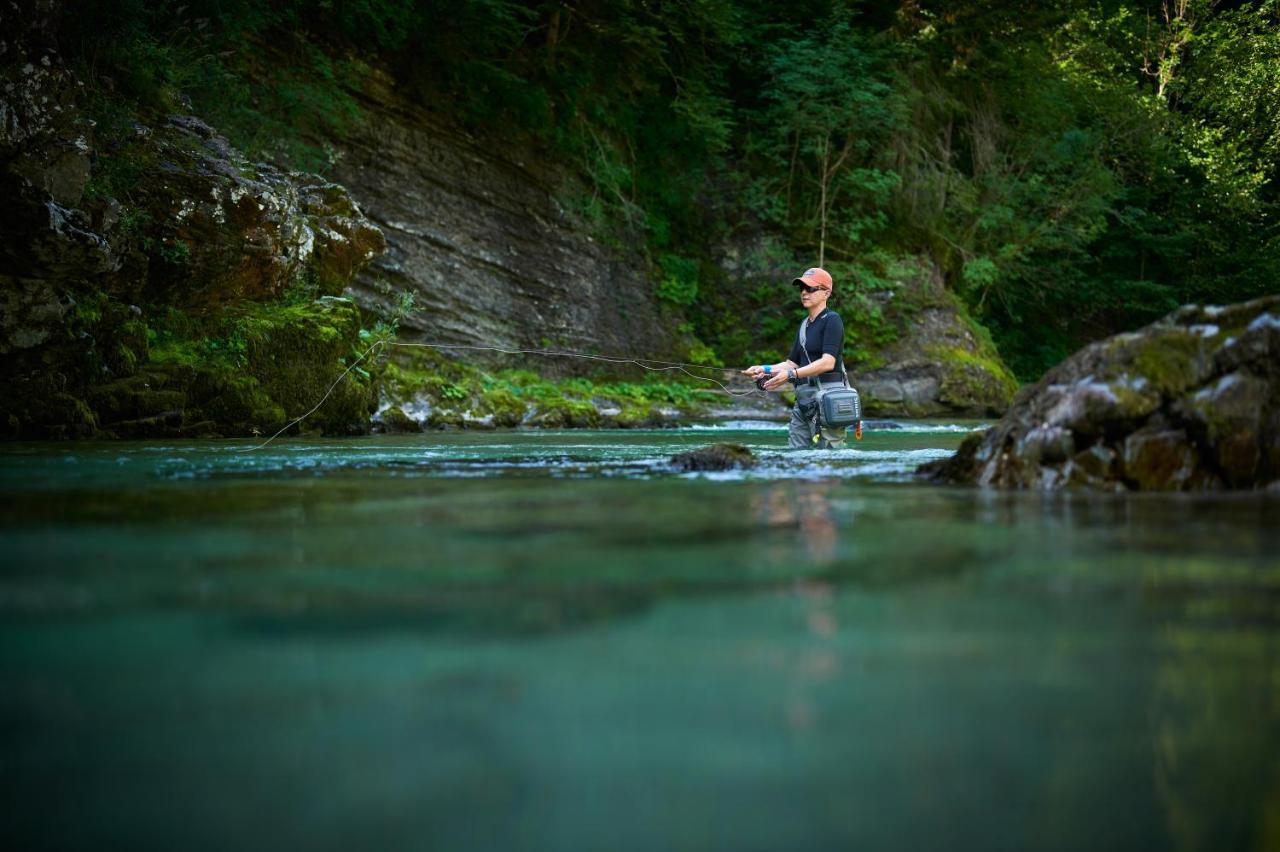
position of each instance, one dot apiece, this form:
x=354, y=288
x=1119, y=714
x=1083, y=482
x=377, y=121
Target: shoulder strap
x=801, y=339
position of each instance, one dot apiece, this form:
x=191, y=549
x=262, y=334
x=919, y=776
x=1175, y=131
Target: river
x=550, y=641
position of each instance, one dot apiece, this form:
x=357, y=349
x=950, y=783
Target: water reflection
x=353, y=650
x=807, y=507
x=1215, y=711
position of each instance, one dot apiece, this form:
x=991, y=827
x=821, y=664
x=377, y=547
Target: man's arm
x=781, y=373
x=756, y=371
x=825, y=364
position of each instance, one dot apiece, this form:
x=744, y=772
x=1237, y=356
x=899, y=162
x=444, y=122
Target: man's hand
x=776, y=381
x=755, y=371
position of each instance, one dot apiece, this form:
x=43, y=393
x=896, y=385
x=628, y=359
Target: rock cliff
x=1191, y=402
x=475, y=232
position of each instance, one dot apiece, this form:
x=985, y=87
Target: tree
x=831, y=101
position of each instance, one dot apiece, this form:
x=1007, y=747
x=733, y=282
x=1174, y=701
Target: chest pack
x=838, y=405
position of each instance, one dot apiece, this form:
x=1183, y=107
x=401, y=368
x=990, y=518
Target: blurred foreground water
x=540, y=640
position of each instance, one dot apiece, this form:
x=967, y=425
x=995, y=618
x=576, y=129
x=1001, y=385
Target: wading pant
x=804, y=432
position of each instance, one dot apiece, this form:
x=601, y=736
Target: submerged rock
x=715, y=457
x=1191, y=402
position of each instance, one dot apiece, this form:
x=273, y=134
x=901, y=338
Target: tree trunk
x=822, y=203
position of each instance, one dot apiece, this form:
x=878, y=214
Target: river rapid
x=552, y=641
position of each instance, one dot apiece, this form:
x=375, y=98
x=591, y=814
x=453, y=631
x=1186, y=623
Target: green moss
x=79, y=417
x=394, y=420
x=650, y=393
x=439, y=419
x=243, y=403
x=507, y=409
x=566, y=413
x=636, y=417
x=267, y=363
x=509, y=396
x=973, y=379
x=135, y=397
x=513, y=397
x=1171, y=361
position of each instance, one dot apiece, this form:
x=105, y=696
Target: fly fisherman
x=815, y=361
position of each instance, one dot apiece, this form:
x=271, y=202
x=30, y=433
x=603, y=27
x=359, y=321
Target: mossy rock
x=394, y=421
x=241, y=404
x=35, y=407
x=1191, y=402
x=139, y=396
x=637, y=417
x=941, y=362
x=504, y=408
x=566, y=414
x=973, y=379
x=298, y=352
x=444, y=418
x=1229, y=416
x=1170, y=360
x=68, y=416
x=713, y=458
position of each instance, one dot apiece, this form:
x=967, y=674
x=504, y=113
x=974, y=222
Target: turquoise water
x=543, y=640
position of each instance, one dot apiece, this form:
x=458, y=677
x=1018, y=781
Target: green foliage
x=679, y=284
x=1074, y=168
x=385, y=327
x=247, y=67
x=461, y=393
x=830, y=105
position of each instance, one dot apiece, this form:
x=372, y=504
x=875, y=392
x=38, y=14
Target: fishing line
x=666, y=366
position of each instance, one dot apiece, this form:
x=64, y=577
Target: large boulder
x=1191, y=402
x=219, y=228
x=942, y=363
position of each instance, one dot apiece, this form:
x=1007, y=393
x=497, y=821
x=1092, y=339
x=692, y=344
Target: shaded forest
x=1073, y=168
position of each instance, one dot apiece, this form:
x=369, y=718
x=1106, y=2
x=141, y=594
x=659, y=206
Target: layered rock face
x=475, y=233
x=1191, y=402
x=119, y=260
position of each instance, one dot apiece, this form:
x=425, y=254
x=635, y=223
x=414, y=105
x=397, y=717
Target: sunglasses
x=807, y=289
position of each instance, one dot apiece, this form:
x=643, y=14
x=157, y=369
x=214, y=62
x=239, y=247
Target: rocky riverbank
x=424, y=390
x=1191, y=402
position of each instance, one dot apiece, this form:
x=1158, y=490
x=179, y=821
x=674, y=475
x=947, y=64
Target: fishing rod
x=664, y=366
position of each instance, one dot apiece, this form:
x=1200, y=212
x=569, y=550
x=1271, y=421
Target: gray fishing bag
x=839, y=407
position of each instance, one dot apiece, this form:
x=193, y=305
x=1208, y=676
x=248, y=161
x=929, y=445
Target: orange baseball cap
x=815, y=278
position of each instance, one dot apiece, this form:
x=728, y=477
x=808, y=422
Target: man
x=811, y=363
